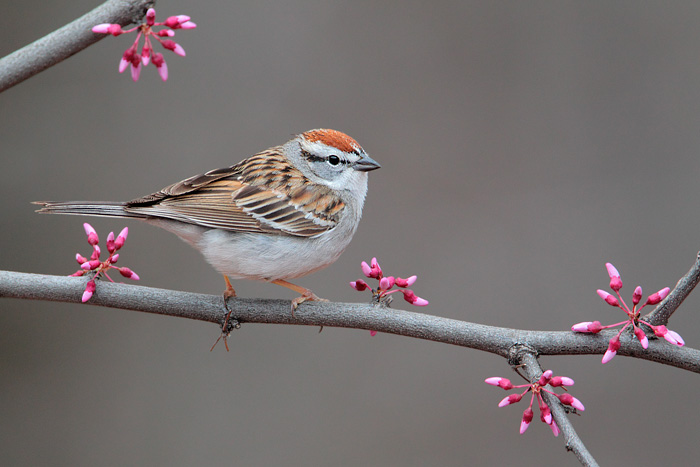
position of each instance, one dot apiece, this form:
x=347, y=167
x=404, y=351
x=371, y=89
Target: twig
x=68, y=40
x=527, y=361
x=685, y=285
x=209, y=308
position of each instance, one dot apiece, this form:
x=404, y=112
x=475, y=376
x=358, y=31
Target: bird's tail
x=86, y=208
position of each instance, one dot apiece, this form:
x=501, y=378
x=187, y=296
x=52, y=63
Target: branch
x=526, y=359
x=685, y=285
x=68, y=40
x=210, y=308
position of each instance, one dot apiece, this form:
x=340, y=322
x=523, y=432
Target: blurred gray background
x=523, y=145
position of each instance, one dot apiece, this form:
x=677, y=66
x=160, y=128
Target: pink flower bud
x=592, y=327
x=385, y=283
x=366, y=269
x=544, y=379
x=95, y=252
x=658, y=296
x=114, y=258
x=413, y=299
x=146, y=55
x=135, y=71
x=90, y=265
x=108, y=28
x=77, y=274
x=609, y=299
x=568, y=399
x=80, y=259
x=161, y=66
x=110, y=243
x=188, y=25
x=674, y=338
x=637, y=295
x=373, y=333
x=528, y=414
x=89, y=290
x=555, y=428
x=613, y=347
x=174, y=46
x=150, y=16
x=545, y=415
x=561, y=381
x=510, y=399
x=93, y=239
x=359, y=285
x=128, y=273
x=615, y=281
x=406, y=282
x=165, y=33
x=177, y=22
x=641, y=337
x=121, y=238
x=503, y=383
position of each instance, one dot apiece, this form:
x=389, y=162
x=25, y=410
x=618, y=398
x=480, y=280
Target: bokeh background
x=523, y=145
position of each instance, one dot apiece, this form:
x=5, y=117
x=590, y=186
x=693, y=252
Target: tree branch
x=68, y=40
x=210, y=308
x=685, y=285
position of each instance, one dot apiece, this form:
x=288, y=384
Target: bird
x=280, y=214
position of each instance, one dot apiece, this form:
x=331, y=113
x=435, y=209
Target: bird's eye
x=333, y=159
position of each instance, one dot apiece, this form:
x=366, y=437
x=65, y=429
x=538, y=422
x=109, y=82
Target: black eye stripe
x=314, y=158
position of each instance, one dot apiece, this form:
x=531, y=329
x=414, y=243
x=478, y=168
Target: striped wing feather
x=262, y=194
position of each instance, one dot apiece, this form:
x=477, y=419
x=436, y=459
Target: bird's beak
x=366, y=164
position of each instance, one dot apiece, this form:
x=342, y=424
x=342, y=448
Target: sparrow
x=281, y=214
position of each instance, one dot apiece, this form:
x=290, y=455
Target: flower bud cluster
x=97, y=267
x=386, y=284
x=536, y=388
x=633, y=316
x=135, y=58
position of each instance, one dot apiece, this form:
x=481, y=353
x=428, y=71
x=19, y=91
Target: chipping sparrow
x=283, y=213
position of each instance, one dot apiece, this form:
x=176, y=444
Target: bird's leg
x=306, y=294
x=227, y=327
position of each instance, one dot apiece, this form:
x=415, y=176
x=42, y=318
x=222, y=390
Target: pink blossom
x=633, y=316
x=615, y=280
x=386, y=285
x=528, y=415
x=536, y=389
x=510, y=399
x=95, y=267
x=500, y=382
x=145, y=30
x=89, y=290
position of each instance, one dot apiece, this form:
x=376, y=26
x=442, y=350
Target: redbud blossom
x=536, y=390
x=609, y=299
x=528, y=415
x=500, y=382
x=511, y=399
x=615, y=280
x=89, y=290
x=386, y=285
x=561, y=381
x=613, y=347
x=633, y=316
x=137, y=60
x=359, y=285
x=592, y=327
x=637, y=295
x=658, y=296
x=95, y=266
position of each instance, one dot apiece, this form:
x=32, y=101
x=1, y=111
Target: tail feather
x=86, y=208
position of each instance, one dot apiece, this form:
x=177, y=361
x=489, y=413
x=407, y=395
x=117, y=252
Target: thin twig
x=526, y=359
x=685, y=285
x=68, y=40
x=210, y=308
